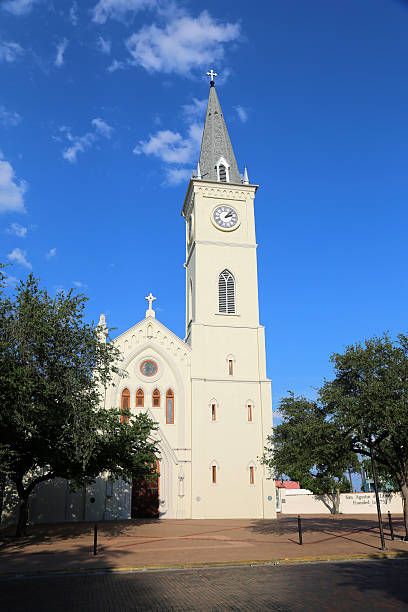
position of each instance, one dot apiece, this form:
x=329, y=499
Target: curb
x=204, y=566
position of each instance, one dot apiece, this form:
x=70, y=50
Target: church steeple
x=217, y=159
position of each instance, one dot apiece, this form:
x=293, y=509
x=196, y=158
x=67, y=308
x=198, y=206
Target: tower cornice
x=215, y=189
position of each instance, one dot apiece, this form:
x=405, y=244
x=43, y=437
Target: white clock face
x=225, y=217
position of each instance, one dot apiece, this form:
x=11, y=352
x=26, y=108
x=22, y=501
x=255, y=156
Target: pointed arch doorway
x=145, y=496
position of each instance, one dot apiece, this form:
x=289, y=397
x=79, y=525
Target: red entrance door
x=145, y=496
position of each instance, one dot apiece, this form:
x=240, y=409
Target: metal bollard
x=390, y=524
x=299, y=520
x=95, y=546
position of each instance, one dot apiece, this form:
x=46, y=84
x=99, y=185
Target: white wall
x=295, y=502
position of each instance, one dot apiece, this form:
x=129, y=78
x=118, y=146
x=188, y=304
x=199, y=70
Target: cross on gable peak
x=150, y=312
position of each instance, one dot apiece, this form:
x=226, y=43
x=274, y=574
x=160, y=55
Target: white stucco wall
x=350, y=503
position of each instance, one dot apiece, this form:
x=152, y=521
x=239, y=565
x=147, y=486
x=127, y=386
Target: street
x=358, y=585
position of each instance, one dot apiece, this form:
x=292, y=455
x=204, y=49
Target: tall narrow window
x=170, y=407
x=125, y=406
x=222, y=173
x=250, y=413
x=226, y=293
x=213, y=412
x=223, y=170
x=230, y=367
x=156, y=398
x=214, y=474
x=139, y=398
x=251, y=474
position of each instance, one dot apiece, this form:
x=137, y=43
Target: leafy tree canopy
x=53, y=371
x=368, y=400
x=308, y=447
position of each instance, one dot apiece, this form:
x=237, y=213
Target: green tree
x=308, y=447
x=368, y=400
x=53, y=372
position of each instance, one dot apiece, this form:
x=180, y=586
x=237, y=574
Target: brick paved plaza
x=362, y=585
x=136, y=544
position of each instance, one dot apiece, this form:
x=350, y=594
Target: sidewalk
x=123, y=546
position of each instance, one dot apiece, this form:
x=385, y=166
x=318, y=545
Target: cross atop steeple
x=212, y=74
x=150, y=312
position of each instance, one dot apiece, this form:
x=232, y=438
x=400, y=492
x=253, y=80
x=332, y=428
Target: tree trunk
x=404, y=492
x=2, y=491
x=24, y=495
x=21, y=529
x=337, y=501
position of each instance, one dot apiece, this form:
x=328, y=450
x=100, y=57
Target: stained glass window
x=148, y=367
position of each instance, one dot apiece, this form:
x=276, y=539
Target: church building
x=208, y=392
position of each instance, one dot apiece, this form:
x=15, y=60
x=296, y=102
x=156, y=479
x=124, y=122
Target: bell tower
x=231, y=394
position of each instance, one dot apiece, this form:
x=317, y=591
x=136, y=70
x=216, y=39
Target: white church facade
x=208, y=392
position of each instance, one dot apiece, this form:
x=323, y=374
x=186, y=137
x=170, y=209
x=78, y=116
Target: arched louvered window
x=156, y=398
x=170, y=407
x=226, y=293
x=125, y=406
x=139, y=398
x=222, y=173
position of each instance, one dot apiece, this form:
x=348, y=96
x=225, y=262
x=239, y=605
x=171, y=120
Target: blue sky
x=101, y=107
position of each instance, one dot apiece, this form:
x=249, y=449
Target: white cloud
x=182, y=44
x=61, y=48
x=116, y=65
x=17, y=230
x=102, y=127
x=195, y=110
x=171, y=147
x=73, y=14
x=104, y=45
x=79, y=144
x=51, y=253
x=11, y=191
x=79, y=284
x=174, y=176
x=117, y=9
x=19, y=7
x=10, y=51
x=11, y=281
x=19, y=256
x=242, y=113
x=9, y=118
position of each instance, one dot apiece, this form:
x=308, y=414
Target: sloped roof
x=216, y=142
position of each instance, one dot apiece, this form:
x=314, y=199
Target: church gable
x=151, y=331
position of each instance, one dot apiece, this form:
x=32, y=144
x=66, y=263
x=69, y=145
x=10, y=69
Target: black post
x=390, y=524
x=299, y=520
x=95, y=546
x=377, y=499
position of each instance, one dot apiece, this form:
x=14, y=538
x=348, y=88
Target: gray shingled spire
x=216, y=142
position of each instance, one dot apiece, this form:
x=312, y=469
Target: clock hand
x=228, y=215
